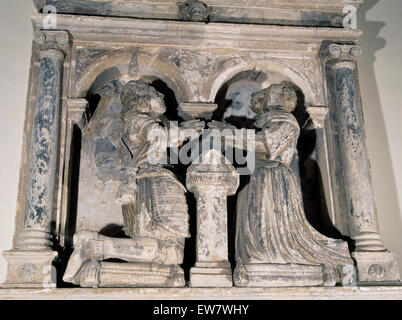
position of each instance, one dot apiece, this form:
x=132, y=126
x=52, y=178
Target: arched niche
x=129, y=64
x=281, y=69
x=96, y=159
x=233, y=99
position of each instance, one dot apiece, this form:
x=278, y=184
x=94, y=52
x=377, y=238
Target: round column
x=43, y=161
x=373, y=261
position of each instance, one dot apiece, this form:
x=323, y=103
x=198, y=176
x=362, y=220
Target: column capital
x=318, y=115
x=194, y=110
x=77, y=110
x=342, y=55
x=54, y=40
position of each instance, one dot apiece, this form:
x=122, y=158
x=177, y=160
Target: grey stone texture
x=81, y=176
x=315, y=13
x=212, y=179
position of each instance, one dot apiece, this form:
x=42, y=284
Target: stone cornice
x=379, y=292
x=194, y=34
x=286, y=12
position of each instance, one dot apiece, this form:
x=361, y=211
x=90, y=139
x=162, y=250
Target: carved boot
x=170, y=252
x=87, y=247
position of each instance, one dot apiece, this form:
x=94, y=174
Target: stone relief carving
x=275, y=244
x=153, y=203
x=194, y=10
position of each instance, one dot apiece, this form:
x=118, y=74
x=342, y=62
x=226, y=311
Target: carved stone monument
x=101, y=203
x=152, y=201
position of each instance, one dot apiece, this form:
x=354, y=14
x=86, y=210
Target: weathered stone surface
x=378, y=266
x=74, y=117
x=41, y=191
x=278, y=275
x=355, y=166
x=275, y=244
x=194, y=10
x=30, y=269
x=234, y=293
x=112, y=275
x=150, y=198
x=212, y=179
x=190, y=111
x=205, y=56
x=30, y=261
x=317, y=13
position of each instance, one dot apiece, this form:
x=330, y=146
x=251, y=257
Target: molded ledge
x=291, y=293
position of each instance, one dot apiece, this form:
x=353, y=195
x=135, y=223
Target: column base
x=211, y=275
x=35, y=240
x=376, y=266
x=278, y=275
x=30, y=269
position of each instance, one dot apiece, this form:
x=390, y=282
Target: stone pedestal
x=380, y=266
x=373, y=261
x=142, y=275
x=212, y=180
x=30, y=269
x=278, y=275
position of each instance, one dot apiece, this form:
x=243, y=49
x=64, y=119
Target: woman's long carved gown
x=271, y=224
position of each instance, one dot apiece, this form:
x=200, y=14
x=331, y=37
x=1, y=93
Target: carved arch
x=289, y=72
x=121, y=59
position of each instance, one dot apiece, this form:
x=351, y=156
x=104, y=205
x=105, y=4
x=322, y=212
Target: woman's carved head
x=138, y=95
x=276, y=95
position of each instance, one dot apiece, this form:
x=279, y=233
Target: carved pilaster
x=356, y=168
x=76, y=115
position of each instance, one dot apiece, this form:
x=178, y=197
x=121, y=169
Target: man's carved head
x=138, y=95
x=276, y=95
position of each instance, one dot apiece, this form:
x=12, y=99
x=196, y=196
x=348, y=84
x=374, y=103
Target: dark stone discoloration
x=354, y=154
x=44, y=143
x=194, y=10
x=235, y=12
x=82, y=7
x=84, y=57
